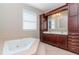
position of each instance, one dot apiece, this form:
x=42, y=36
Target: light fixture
x=56, y=15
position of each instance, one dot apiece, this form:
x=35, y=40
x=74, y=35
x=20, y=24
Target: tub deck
x=26, y=46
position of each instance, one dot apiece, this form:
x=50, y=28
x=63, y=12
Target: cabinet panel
x=45, y=38
x=43, y=22
x=78, y=24
x=72, y=24
x=55, y=39
x=78, y=7
x=73, y=9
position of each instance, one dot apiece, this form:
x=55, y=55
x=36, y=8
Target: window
x=29, y=20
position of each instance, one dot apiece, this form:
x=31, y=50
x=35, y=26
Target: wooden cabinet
x=62, y=41
x=51, y=39
x=43, y=24
x=56, y=39
x=78, y=24
x=72, y=44
x=73, y=25
x=73, y=9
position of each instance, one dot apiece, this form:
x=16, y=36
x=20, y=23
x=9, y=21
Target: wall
x=11, y=22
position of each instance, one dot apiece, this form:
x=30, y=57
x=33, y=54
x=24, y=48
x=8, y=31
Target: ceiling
x=46, y=6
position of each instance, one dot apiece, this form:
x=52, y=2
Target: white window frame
x=29, y=29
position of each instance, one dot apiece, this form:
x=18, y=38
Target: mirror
x=58, y=22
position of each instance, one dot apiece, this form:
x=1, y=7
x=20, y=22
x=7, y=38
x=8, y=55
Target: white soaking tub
x=25, y=46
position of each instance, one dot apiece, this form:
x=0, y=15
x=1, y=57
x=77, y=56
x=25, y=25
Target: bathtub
x=25, y=46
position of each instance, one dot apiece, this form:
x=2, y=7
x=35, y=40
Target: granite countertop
x=53, y=32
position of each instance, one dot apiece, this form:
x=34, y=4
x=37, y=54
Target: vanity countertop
x=53, y=32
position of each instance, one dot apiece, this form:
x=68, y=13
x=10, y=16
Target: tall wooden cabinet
x=73, y=27
x=43, y=24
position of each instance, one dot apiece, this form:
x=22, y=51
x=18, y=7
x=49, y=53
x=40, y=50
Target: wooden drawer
x=73, y=37
x=73, y=34
x=73, y=40
x=73, y=43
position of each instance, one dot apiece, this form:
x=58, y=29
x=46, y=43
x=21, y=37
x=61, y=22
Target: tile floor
x=45, y=49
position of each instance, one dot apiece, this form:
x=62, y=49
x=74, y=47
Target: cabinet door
x=62, y=41
x=53, y=39
x=72, y=24
x=44, y=38
x=73, y=9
